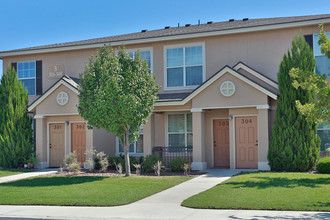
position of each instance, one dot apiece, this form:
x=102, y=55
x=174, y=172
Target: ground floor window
x=179, y=130
x=324, y=132
x=134, y=148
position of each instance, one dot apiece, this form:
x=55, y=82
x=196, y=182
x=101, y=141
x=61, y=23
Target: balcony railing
x=170, y=153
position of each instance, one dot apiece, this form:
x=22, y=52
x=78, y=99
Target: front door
x=246, y=142
x=78, y=141
x=221, y=142
x=56, y=144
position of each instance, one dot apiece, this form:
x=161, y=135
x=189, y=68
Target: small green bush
x=121, y=159
x=149, y=162
x=176, y=165
x=324, y=165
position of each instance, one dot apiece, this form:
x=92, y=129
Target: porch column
x=263, y=139
x=199, y=162
x=41, y=142
x=148, y=136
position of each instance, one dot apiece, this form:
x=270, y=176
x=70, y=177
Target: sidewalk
x=26, y=175
x=163, y=205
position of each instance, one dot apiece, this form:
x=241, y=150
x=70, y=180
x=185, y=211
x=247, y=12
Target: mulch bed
x=114, y=173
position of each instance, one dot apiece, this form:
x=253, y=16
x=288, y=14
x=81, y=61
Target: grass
x=270, y=191
x=83, y=190
x=9, y=172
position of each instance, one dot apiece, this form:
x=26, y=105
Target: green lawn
x=9, y=172
x=83, y=190
x=271, y=191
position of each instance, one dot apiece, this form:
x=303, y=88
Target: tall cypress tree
x=15, y=125
x=294, y=145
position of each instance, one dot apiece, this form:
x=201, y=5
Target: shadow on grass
x=267, y=182
x=53, y=181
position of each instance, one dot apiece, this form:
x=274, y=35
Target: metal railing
x=170, y=153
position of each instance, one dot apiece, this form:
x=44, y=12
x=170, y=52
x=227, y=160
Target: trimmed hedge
x=324, y=165
x=149, y=161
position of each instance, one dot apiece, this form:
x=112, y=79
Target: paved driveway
x=163, y=205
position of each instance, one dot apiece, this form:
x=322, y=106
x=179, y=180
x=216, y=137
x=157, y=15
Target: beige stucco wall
x=104, y=141
x=244, y=95
x=262, y=50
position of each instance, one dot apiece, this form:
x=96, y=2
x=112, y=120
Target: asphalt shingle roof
x=172, y=31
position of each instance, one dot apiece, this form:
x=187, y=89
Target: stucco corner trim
x=196, y=110
x=263, y=166
x=259, y=107
x=199, y=165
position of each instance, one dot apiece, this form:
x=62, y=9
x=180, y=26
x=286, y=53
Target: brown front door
x=56, y=144
x=221, y=142
x=246, y=142
x=78, y=141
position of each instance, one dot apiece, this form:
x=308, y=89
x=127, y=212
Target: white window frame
x=184, y=65
x=185, y=128
x=144, y=49
x=35, y=78
x=318, y=55
x=131, y=153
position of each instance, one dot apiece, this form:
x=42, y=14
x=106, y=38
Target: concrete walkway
x=163, y=205
x=26, y=175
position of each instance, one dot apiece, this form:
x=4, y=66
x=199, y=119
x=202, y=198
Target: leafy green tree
x=15, y=125
x=324, y=42
x=294, y=145
x=317, y=109
x=117, y=94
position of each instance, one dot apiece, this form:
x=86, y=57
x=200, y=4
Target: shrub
x=103, y=162
x=186, y=169
x=113, y=160
x=149, y=161
x=327, y=152
x=157, y=167
x=324, y=165
x=176, y=165
x=71, y=162
x=137, y=169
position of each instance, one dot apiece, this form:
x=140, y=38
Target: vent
x=209, y=22
x=231, y=20
x=167, y=27
x=144, y=31
x=187, y=25
x=245, y=19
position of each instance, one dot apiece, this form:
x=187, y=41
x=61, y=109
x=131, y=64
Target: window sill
x=180, y=88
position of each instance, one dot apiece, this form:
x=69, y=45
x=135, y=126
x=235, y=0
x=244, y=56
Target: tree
x=117, y=94
x=15, y=125
x=294, y=145
x=324, y=42
x=317, y=110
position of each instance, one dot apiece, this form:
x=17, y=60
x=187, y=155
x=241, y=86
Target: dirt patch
x=114, y=173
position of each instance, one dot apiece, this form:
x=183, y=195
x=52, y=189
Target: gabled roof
x=269, y=91
x=70, y=82
x=217, y=28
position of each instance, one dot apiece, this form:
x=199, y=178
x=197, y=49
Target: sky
x=27, y=23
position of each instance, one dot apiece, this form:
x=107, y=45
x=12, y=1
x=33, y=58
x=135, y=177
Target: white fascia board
x=256, y=74
x=45, y=95
x=213, y=79
x=166, y=38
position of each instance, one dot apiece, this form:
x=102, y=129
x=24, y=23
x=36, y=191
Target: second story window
x=322, y=61
x=146, y=53
x=184, y=66
x=26, y=72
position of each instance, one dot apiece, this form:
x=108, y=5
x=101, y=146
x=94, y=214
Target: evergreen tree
x=15, y=124
x=294, y=145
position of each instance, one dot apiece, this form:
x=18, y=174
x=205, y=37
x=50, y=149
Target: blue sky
x=26, y=23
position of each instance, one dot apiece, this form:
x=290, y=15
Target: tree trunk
x=126, y=151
